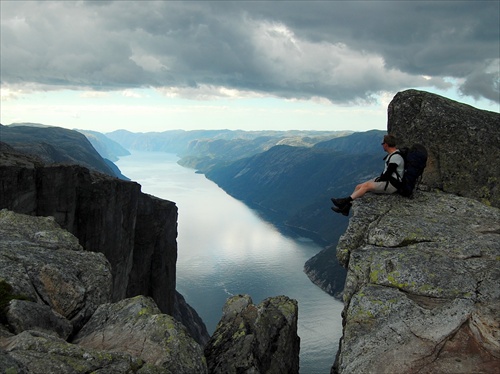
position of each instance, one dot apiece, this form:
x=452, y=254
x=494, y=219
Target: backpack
x=415, y=159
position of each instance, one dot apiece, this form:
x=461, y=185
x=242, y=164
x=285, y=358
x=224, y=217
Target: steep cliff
x=135, y=231
x=421, y=291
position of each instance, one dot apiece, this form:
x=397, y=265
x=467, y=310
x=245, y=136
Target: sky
x=253, y=65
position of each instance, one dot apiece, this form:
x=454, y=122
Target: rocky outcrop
x=421, y=292
x=137, y=327
x=102, y=212
x=61, y=285
x=255, y=338
x=57, y=315
x=463, y=142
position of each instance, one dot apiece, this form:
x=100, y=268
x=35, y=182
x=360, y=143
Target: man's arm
x=391, y=168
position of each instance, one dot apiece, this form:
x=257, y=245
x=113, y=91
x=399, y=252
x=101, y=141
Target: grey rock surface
x=25, y=315
x=137, y=327
x=35, y=352
x=46, y=265
x=255, y=338
x=421, y=292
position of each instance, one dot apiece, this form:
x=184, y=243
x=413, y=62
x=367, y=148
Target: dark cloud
x=341, y=51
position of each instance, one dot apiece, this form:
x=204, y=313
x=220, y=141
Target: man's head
x=390, y=140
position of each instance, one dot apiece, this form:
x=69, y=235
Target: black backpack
x=415, y=159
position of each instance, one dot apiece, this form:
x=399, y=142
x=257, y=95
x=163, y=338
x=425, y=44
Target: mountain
x=175, y=141
x=107, y=148
x=294, y=184
x=55, y=145
x=356, y=143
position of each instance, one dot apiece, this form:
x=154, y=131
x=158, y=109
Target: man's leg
x=363, y=188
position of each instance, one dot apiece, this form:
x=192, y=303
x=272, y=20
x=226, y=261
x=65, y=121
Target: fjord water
x=225, y=249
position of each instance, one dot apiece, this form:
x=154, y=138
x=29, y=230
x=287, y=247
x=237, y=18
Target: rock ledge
x=421, y=292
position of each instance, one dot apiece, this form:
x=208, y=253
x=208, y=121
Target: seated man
x=387, y=183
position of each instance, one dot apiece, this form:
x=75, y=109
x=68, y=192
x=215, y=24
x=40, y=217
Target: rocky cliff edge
x=421, y=293
x=56, y=316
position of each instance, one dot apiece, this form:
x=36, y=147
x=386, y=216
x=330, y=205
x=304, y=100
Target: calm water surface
x=225, y=249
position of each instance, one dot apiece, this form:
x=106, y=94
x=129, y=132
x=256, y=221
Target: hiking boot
x=341, y=202
x=344, y=210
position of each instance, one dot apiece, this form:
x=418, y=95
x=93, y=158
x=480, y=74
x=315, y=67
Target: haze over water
x=225, y=249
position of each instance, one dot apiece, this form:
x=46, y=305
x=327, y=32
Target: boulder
x=421, y=292
x=255, y=338
x=44, y=264
x=137, y=327
x=25, y=315
x=463, y=142
x=49, y=289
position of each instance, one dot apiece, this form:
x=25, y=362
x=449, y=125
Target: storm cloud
x=344, y=52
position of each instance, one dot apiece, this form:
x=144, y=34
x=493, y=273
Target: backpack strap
x=388, y=157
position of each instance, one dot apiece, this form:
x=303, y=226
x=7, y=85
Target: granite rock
x=57, y=316
x=255, y=338
x=422, y=286
x=45, y=265
x=136, y=326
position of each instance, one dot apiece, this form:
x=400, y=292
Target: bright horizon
x=318, y=65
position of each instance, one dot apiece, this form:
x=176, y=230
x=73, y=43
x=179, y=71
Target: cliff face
x=421, y=291
x=135, y=231
x=100, y=211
